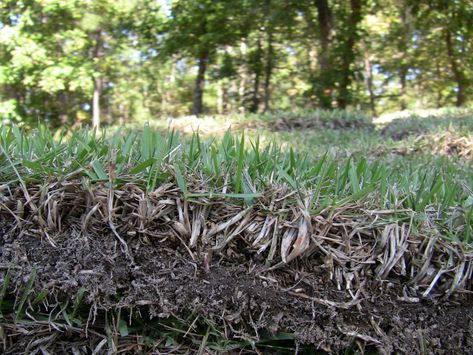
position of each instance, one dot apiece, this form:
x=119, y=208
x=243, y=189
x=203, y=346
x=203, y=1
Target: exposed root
x=341, y=277
x=351, y=245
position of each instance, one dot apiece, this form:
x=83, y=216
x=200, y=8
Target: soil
x=237, y=292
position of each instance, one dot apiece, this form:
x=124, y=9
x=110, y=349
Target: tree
x=57, y=55
x=336, y=29
x=449, y=23
x=39, y=59
x=198, y=29
x=101, y=61
x=326, y=28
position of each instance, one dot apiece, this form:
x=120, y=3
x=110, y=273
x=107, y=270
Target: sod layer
x=332, y=281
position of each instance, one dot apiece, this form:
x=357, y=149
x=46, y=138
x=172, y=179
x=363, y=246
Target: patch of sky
x=412, y=73
x=290, y=50
x=166, y=6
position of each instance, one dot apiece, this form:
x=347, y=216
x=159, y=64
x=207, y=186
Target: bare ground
x=236, y=294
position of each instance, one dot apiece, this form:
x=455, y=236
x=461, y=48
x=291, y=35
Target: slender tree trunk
x=325, y=19
x=220, y=97
x=439, y=90
x=63, y=116
x=324, y=84
x=225, y=104
x=269, y=60
x=349, y=54
x=268, y=70
x=255, y=100
x=233, y=93
x=458, y=74
x=369, y=84
x=313, y=53
x=97, y=82
x=406, y=20
x=199, y=85
x=96, y=103
x=403, y=81
x=243, y=74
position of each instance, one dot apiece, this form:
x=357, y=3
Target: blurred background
x=68, y=62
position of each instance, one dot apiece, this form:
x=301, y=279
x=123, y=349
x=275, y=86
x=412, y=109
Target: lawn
x=312, y=231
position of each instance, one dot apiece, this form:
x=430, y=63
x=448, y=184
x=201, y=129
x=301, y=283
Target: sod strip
x=252, y=242
x=277, y=227
x=267, y=267
x=352, y=243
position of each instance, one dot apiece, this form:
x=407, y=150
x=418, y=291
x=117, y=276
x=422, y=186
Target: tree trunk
x=458, y=74
x=439, y=90
x=225, y=104
x=349, y=53
x=220, y=97
x=406, y=20
x=325, y=19
x=63, y=115
x=324, y=87
x=268, y=70
x=402, y=80
x=96, y=103
x=255, y=100
x=243, y=75
x=199, y=85
x=312, y=51
x=369, y=84
x=233, y=94
x=97, y=82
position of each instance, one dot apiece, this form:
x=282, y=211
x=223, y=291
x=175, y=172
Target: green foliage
x=47, y=56
x=376, y=56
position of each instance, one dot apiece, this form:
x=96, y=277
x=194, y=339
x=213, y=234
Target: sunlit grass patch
x=426, y=122
x=428, y=132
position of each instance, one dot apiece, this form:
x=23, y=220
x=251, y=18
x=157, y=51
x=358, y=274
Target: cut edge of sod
x=361, y=219
x=279, y=200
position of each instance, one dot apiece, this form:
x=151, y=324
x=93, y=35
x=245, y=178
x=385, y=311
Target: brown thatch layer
x=330, y=278
x=445, y=143
x=210, y=126
x=346, y=242
x=453, y=144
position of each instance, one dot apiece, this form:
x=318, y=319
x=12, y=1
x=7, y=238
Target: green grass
x=242, y=169
x=410, y=134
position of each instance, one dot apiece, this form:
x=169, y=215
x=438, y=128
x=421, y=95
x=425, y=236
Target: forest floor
x=147, y=244
x=406, y=133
